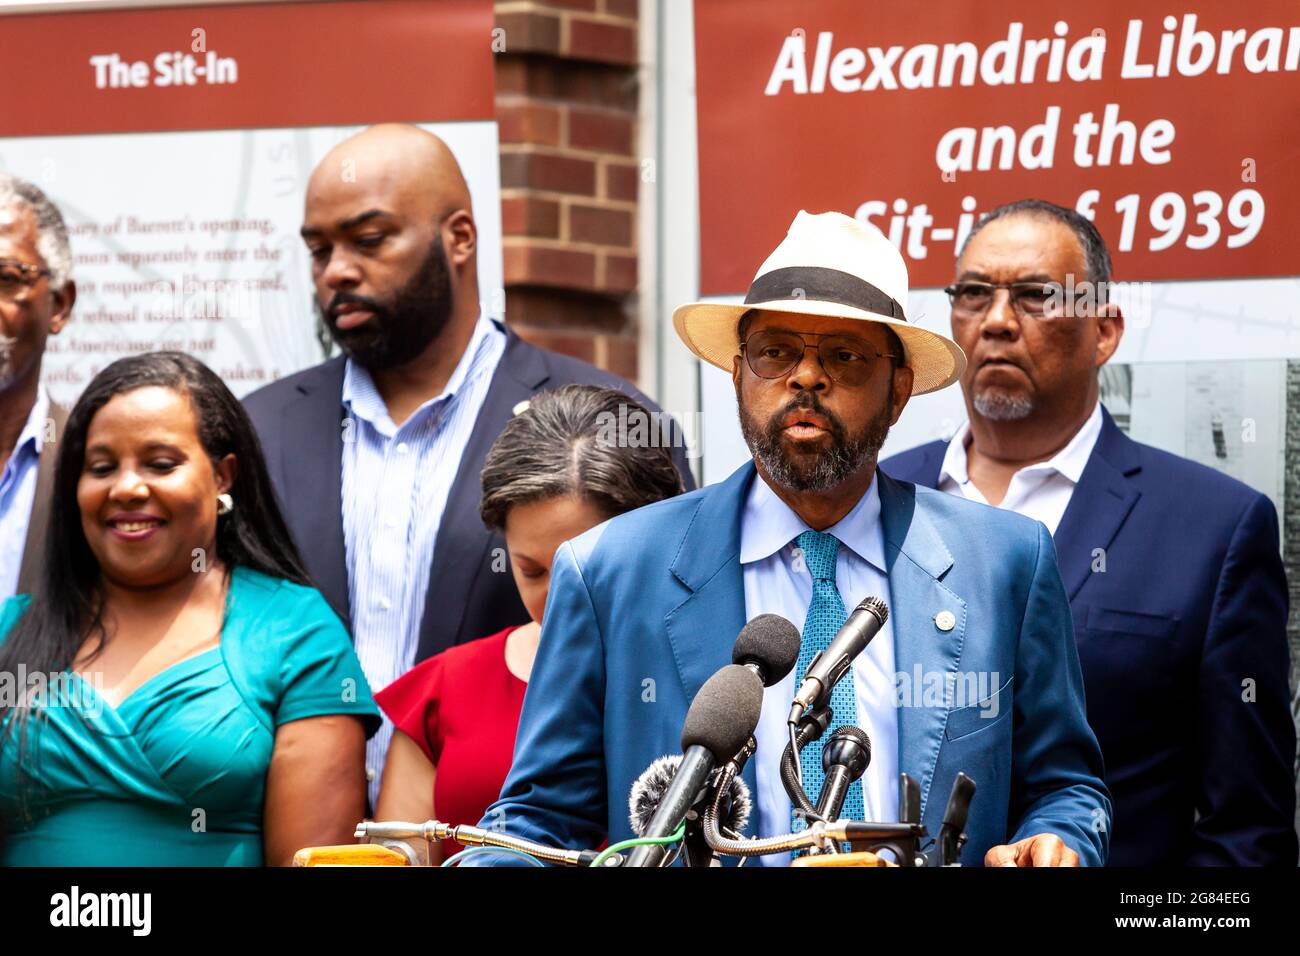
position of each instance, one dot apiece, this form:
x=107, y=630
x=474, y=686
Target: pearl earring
x=225, y=504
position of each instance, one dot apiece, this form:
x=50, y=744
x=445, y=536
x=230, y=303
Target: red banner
x=1173, y=126
x=246, y=66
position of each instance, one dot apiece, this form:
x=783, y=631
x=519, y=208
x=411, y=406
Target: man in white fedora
x=974, y=671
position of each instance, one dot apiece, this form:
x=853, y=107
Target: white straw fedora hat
x=832, y=265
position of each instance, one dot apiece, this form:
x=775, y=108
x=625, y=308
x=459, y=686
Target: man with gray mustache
x=1173, y=570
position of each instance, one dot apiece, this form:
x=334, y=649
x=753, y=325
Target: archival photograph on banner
x=165, y=260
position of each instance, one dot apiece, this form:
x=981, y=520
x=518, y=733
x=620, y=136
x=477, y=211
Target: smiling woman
x=219, y=675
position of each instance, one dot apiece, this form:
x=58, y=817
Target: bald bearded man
x=376, y=454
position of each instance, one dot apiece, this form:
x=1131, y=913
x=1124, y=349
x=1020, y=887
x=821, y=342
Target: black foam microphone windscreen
x=724, y=713
x=719, y=722
x=770, y=642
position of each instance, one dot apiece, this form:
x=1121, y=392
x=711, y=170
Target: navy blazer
x=1179, y=602
x=645, y=607
x=299, y=420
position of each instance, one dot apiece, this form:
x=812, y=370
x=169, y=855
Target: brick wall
x=566, y=104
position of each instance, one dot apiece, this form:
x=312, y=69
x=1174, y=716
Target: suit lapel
x=29, y=569
x=916, y=560
x=460, y=551
x=1098, y=507
x=703, y=628
x=311, y=457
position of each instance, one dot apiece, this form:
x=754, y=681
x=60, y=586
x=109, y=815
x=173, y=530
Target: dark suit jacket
x=299, y=420
x=33, y=563
x=1182, y=638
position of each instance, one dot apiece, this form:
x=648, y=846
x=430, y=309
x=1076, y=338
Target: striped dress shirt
x=395, y=485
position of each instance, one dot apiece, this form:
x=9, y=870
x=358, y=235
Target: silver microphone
x=833, y=663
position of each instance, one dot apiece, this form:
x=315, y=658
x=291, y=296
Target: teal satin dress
x=175, y=775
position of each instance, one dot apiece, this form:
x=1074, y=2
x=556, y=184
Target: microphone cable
x=740, y=847
x=471, y=850
x=609, y=851
x=811, y=727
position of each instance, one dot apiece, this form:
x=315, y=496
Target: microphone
x=810, y=728
x=718, y=724
x=952, y=831
x=833, y=663
x=844, y=758
x=649, y=789
x=769, y=646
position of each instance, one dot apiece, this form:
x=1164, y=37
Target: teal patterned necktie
x=826, y=616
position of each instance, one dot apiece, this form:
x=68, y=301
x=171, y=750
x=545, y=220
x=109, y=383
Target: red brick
x=622, y=8
x=599, y=225
x=579, y=346
x=526, y=74
x=620, y=273
x=529, y=31
x=622, y=181
x=620, y=356
x=573, y=81
x=600, y=130
x=528, y=264
x=604, y=42
x=575, y=299
x=570, y=310
x=547, y=171
x=523, y=121
x=525, y=215
x=596, y=84
x=511, y=74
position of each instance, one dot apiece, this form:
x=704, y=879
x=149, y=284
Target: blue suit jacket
x=1192, y=602
x=644, y=608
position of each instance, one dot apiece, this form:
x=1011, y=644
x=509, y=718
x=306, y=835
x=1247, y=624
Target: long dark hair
x=67, y=603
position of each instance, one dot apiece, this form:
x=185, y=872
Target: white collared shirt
x=777, y=583
x=1040, y=491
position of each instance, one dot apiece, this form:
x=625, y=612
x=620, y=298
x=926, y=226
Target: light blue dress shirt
x=777, y=582
x=395, y=485
x=18, y=493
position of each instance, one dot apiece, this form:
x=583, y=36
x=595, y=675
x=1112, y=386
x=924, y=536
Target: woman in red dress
x=573, y=458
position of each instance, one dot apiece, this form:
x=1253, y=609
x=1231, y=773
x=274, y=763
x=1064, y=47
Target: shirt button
x=370, y=773
x=945, y=621
x=385, y=604
x=403, y=448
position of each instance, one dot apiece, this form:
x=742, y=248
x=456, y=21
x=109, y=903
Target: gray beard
x=1001, y=407
x=846, y=457
x=7, y=348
